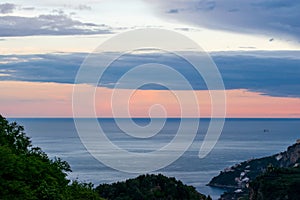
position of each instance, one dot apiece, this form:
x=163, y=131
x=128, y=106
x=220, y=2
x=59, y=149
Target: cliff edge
x=239, y=175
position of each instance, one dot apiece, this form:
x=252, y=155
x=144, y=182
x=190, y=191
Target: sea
x=241, y=139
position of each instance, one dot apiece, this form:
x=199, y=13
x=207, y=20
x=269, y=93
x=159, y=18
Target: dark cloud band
x=275, y=18
x=271, y=73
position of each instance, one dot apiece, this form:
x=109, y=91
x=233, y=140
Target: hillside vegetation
x=276, y=184
x=149, y=187
x=27, y=173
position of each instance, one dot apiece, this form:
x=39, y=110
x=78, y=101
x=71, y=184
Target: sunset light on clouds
x=43, y=44
x=29, y=99
x=149, y=99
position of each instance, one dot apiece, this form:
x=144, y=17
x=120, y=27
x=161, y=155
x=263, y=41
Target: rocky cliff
x=238, y=176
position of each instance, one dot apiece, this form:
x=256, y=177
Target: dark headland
x=261, y=178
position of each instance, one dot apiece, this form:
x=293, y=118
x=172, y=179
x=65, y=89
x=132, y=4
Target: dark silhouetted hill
x=154, y=187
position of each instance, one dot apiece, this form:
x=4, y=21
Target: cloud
x=250, y=47
x=233, y=10
x=172, y=11
x=6, y=8
x=51, y=24
x=28, y=8
x=264, y=72
x=268, y=17
x=59, y=68
x=84, y=7
x=78, y=7
x=183, y=29
x=205, y=5
x=268, y=4
x=271, y=73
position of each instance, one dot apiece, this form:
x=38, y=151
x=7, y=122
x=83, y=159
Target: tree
x=27, y=173
x=12, y=135
x=151, y=187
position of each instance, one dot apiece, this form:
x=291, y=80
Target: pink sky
x=30, y=99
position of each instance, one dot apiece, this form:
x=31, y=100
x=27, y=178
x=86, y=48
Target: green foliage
x=256, y=167
x=152, y=187
x=81, y=191
x=27, y=173
x=12, y=135
x=278, y=183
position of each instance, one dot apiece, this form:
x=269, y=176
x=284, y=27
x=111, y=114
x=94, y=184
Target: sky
x=254, y=44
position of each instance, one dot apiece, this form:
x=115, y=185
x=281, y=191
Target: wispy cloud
x=6, y=8
x=83, y=7
x=28, y=8
x=205, y=5
x=247, y=47
x=172, y=11
x=50, y=24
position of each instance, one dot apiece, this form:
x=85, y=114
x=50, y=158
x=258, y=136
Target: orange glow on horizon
x=33, y=99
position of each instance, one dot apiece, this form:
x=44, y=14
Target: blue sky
x=255, y=44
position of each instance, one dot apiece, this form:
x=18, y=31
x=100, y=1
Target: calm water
x=241, y=140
